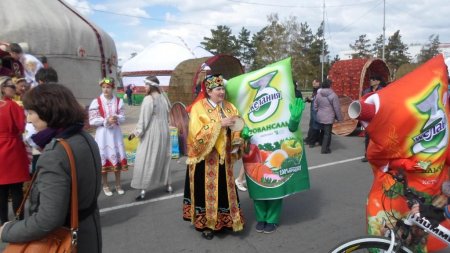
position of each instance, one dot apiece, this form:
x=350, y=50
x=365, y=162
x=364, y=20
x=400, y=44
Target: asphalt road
x=312, y=221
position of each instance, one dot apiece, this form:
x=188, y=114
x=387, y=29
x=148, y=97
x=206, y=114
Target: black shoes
x=328, y=151
x=208, y=234
x=260, y=226
x=141, y=196
x=270, y=228
x=364, y=159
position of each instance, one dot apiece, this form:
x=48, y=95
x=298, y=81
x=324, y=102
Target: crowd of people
x=325, y=111
x=36, y=114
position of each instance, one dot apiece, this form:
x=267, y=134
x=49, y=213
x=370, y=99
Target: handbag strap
x=74, y=188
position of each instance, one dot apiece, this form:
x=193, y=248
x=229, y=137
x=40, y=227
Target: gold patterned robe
x=209, y=152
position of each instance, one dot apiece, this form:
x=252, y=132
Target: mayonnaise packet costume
x=275, y=163
x=408, y=127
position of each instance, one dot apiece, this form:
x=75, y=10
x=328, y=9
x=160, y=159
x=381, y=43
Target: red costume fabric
x=13, y=155
x=410, y=132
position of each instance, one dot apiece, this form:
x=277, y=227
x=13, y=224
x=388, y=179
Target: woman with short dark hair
x=55, y=113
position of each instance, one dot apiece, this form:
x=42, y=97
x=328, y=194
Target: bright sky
x=134, y=24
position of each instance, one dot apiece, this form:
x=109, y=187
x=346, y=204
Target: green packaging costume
x=276, y=164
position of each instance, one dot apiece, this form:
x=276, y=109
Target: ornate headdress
x=213, y=81
x=107, y=80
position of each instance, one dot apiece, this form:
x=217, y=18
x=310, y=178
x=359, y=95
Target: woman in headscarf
x=153, y=154
x=211, y=200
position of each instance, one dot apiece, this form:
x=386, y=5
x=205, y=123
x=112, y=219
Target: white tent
x=159, y=59
x=77, y=49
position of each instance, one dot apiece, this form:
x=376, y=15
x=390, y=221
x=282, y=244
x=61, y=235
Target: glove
x=245, y=133
x=296, y=109
x=434, y=214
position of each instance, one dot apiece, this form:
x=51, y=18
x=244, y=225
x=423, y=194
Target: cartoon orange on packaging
x=408, y=127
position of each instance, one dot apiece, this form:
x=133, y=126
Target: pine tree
x=430, y=49
x=377, y=47
x=396, y=52
x=361, y=47
x=244, y=47
x=315, y=52
x=273, y=44
x=221, y=42
x=300, y=43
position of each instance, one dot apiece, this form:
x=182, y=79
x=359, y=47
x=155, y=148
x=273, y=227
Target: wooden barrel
x=349, y=79
x=186, y=75
x=180, y=119
x=348, y=125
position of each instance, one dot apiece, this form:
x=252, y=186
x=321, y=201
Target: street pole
x=323, y=38
x=384, y=26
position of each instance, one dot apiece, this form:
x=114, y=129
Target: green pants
x=268, y=210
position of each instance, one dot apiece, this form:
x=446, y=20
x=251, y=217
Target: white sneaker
x=107, y=191
x=240, y=185
x=119, y=190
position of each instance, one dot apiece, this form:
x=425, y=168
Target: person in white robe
x=153, y=154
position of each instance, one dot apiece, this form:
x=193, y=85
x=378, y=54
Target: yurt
x=159, y=59
x=349, y=79
x=80, y=51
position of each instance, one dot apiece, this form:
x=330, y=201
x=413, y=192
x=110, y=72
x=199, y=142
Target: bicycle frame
x=440, y=231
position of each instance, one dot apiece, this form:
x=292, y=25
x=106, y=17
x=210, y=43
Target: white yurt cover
x=160, y=59
x=77, y=49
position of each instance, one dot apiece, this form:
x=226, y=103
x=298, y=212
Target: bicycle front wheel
x=371, y=244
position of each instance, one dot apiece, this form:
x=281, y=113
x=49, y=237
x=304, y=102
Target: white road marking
x=114, y=208
x=334, y=163
x=109, y=209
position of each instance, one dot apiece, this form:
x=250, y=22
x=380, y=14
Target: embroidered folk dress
x=210, y=196
x=153, y=153
x=109, y=137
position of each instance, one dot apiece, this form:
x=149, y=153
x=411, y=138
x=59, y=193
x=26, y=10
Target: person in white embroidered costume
x=153, y=154
x=106, y=113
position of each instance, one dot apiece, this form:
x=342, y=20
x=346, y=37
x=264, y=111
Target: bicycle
x=395, y=238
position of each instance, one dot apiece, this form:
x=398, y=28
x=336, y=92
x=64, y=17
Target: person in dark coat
x=376, y=84
x=328, y=110
x=314, y=126
x=55, y=113
x=129, y=93
x=298, y=92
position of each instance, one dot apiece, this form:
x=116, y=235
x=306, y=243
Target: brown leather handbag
x=61, y=239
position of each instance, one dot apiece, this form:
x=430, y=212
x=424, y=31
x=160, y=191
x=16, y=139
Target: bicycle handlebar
x=411, y=196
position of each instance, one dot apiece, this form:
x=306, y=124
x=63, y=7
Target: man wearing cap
x=375, y=85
